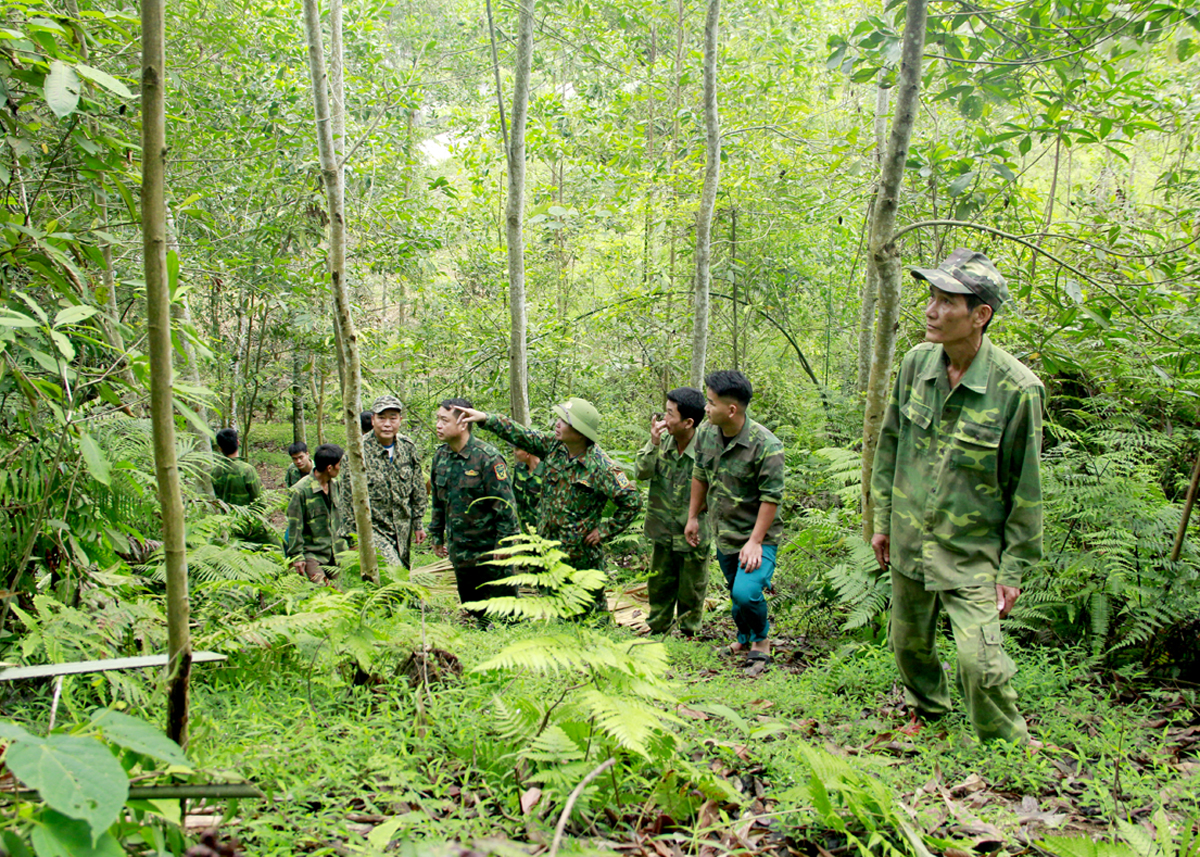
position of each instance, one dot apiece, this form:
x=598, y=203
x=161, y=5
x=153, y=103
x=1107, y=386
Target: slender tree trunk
x=884, y=254
x=733, y=279
x=158, y=313
x=514, y=216
x=182, y=314
x=348, y=339
x=870, y=292
x=299, y=432
x=648, y=230
x=708, y=197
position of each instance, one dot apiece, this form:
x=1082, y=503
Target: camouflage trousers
x=678, y=579
x=393, y=548
x=474, y=584
x=984, y=670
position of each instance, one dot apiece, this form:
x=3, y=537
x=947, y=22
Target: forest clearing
x=864, y=328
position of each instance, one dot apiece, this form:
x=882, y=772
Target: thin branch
x=562, y=819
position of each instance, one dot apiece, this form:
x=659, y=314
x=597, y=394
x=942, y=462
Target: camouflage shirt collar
x=467, y=447
x=974, y=379
x=670, y=445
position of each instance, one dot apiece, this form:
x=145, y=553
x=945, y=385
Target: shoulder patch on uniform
x=501, y=470
x=622, y=479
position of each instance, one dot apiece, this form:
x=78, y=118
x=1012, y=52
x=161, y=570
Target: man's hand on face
x=657, y=427
x=882, y=545
x=470, y=415
x=1006, y=597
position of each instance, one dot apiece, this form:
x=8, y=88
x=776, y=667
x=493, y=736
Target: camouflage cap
x=387, y=403
x=581, y=415
x=967, y=272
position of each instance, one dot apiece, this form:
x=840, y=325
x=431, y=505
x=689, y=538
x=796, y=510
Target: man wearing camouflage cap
x=578, y=481
x=395, y=485
x=958, y=497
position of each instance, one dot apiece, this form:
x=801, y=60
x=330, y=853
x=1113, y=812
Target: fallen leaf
x=691, y=712
x=968, y=786
x=529, y=799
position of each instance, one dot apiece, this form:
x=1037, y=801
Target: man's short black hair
x=297, y=448
x=690, y=402
x=364, y=420
x=730, y=384
x=459, y=402
x=327, y=454
x=227, y=440
x=973, y=301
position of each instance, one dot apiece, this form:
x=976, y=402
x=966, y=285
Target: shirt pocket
x=976, y=446
x=917, y=413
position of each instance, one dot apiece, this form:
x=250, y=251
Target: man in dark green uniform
x=314, y=519
x=578, y=482
x=958, y=497
x=739, y=477
x=395, y=485
x=472, y=506
x=678, y=571
x=234, y=481
x=527, y=486
x=301, y=464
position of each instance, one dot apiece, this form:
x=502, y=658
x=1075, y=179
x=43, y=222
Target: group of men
x=955, y=484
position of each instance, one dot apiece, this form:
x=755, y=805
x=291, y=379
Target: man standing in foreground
x=472, y=506
x=739, y=475
x=234, y=481
x=958, y=497
x=678, y=571
x=314, y=519
x=578, y=481
x=395, y=484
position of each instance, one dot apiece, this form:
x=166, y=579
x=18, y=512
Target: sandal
x=756, y=662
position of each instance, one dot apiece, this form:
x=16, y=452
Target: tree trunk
x=158, y=314
x=884, y=254
x=514, y=216
x=299, y=433
x=733, y=279
x=708, y=197
x=870, y=293
x=331, y=173
x=648, y=226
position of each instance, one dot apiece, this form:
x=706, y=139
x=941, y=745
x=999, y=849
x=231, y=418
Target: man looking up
x=472, y=505
x=739, y=476
x=578, y=481
x=314, y=519
x=678, y=571
x=395, y=485
x=958, y=497
x=301, y=464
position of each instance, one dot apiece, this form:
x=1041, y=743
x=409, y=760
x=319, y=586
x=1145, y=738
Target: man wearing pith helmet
x=958, y=497
x=395, y=484
x=578, y=481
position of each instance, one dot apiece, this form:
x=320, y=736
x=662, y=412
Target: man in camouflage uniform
x=472, y=506
x=739, y=477
x=678, y=571
x=958, y=497
x=301, y=464
x=527, y=486
x=234, y=481
x=395, y=485
x=578, y=482
x=312, y=543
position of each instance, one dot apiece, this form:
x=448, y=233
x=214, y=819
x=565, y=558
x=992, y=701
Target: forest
x=263, y=216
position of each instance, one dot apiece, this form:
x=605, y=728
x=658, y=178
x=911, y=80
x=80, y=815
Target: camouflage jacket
x=956, y=481
x=670, y=475
x=293, y=476
x=575, y=492
x=741, y=475
x=527, y=491
x=235, y=481
x=472, y=503
x=395, y=485
x=313, y=523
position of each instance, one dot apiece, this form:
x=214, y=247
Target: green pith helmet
x=581, y=415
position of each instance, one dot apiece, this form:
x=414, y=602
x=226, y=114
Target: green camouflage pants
x=677, y=578
x=984, y=670
x=393, y=548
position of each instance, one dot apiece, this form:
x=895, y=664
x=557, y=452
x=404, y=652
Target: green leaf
x=74, y=314
x=1025, y=145
x=58, y=836
x=104, y=79
x=382, y=835
x=61, y=89
x=76, y=776
x=97, y=464
x=139, y=736
x=10, y=731
x=193, y=418
x=65, y=348
x=960, y=184
x=50, y=364
x=1005, y=172
x=1074, y=290
x=172, y=272
x=12, y=318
